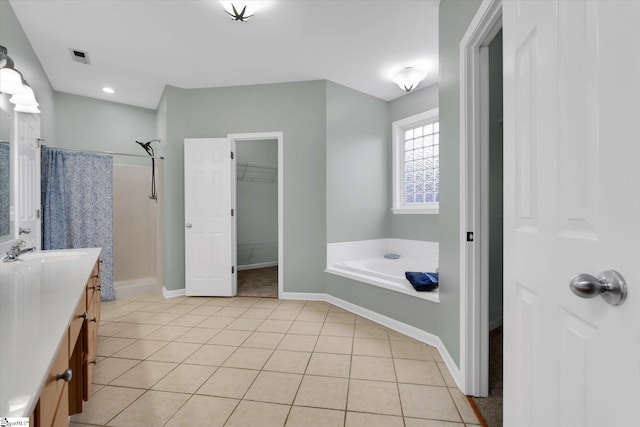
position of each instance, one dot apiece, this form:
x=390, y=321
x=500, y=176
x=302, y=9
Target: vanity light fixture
x=241, y=11
x=25, y=101
x=10, y=78
x=408, y=78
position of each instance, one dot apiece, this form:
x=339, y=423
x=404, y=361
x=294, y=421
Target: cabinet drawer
x=53, y=405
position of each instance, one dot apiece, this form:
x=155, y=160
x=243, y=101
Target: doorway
x=257, y=217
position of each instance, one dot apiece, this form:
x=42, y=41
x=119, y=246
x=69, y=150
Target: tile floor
x=263, y=362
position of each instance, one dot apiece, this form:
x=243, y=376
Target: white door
x=27, y=186
x=209, y=225
x=572, y=205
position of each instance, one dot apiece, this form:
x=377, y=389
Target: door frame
x=474, y=208
x=234, y=138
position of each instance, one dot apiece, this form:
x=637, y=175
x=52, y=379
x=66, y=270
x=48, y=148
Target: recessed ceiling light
x=108, y=90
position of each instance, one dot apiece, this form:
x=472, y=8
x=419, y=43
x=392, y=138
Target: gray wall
x=298, y=110
x=19, y=48
x=406, y=226
x=257, y=203
x=455, y=16
x=358, y=152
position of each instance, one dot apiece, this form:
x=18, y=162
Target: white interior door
x=27, y=186
x=209, y=224
x=572, y=205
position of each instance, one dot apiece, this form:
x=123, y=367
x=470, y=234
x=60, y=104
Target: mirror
x=6, y=170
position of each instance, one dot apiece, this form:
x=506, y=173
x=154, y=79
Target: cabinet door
x=53, y=405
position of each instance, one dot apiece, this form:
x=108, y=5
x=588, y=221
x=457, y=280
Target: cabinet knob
x=93, y=362
x=94, y=320
x=84, y=315
x=65, y=376
x=95, y=287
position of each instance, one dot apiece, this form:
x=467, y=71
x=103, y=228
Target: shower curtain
x=77, y=206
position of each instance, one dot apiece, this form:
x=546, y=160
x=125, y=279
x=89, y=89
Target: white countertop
x=38, y=297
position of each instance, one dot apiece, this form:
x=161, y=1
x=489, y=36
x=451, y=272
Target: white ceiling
x=138, y=46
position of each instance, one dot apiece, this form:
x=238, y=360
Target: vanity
x=49, y=318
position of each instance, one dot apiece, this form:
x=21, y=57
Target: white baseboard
x=258, y=265
x=496, y=323
x=136, y=287
x=396, y=325
x=174, y=293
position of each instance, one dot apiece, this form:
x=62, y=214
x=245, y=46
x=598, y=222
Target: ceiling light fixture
x=10, y=78
x=241, y=10
x=25, y=100
x=408, y=78
x=108, y=90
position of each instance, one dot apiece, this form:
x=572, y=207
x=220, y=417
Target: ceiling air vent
x=79, y=56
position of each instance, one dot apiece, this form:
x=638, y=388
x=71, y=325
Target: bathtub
x=364, y=261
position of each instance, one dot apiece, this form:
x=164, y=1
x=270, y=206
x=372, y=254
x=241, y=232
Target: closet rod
x=104, y=152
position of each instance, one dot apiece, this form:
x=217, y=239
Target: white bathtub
x=364, y=261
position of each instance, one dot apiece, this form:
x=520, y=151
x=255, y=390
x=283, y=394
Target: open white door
x=209, y=222
x=572, y=206
x=27, y=186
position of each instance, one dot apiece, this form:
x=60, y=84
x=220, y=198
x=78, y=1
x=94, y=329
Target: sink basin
x=52, y=256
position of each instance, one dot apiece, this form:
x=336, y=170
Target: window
x=416, y=164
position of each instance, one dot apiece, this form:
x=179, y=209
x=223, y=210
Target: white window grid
x=421, y=165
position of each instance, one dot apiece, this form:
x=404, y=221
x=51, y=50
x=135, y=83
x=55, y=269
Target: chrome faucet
x=16, y=250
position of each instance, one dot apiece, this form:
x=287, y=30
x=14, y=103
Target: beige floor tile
x=294, y=362
x=322, y=392
x=181, y=308
x=418, y=372
x=157, y=307
x=312, y=316
x=423, y=401
x=216, y=322
x=263, y=340
x=185, y=378
x=298, y=342
x=272, y=325
x=108, y=329
x=435, y=354
x=111, y=345
x=257, y=313
x=154, y=408
x=244, y=302
x=141, y=349
x=248, y=358
x=210, y=354
x=371, y=347
x=241, y=324
x=189, y=320
x=228, y=382
x=374, y=396
x=144, y=375
x=410, y=350
x=137, y=331
x=467, y=413
x=314, y=417
x=291, y=305
x=305, y=328
x=448, y=379
x=357, y=419
x=105, y=404
x=198, y=335
x=338, y=329
x=270, y=303
x=363, y=321
x=274, y=387
x=94, y=388
x=329, y=365
x=317, y=306
x=371, y=331
x=231, y=311
x=111, y=368
x=205, y=310
x=203, y=411
x=175, y=352
x=416, y=422
x=281, y=314
x=228, y=337
x=340, y=317
x=218, y=302
x=339, y=345
x=167, y=333
x=134, y=317
x=115, y=315
x=162, y=318
x=258, y=414
x=397, y=336
x=373, y=368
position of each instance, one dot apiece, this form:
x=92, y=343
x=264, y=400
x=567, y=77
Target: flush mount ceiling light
x=108, y=90
x=241, y=10
x=10, y=78
x=408, y=78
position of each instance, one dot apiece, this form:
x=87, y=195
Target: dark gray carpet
x=491, y=407
x=261, y=282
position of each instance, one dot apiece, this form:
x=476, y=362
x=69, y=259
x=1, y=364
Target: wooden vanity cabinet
x=69, y=380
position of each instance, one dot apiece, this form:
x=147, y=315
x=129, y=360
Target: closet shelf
x=256, y=173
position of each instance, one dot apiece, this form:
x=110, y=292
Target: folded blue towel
x=422, y=281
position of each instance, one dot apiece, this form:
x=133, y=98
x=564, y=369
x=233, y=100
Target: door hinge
x=469, y=236
x=232, y=212
x=233, y=269
x=38, y=213
x=232, y=155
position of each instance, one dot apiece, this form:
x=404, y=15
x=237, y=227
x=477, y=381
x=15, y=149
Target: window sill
x=413, y=211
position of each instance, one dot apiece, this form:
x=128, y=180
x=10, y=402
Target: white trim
x=473, y=292
x=136, y=287
x=234, y=137
x=257, y=265
x=397, y=149
x=173, y=293
x=396, y=325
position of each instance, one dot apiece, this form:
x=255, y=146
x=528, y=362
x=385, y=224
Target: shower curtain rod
x=104, y=152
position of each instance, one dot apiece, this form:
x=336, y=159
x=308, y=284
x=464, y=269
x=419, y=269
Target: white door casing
x=27, y=184
x=209, y=224
x=571, y=86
